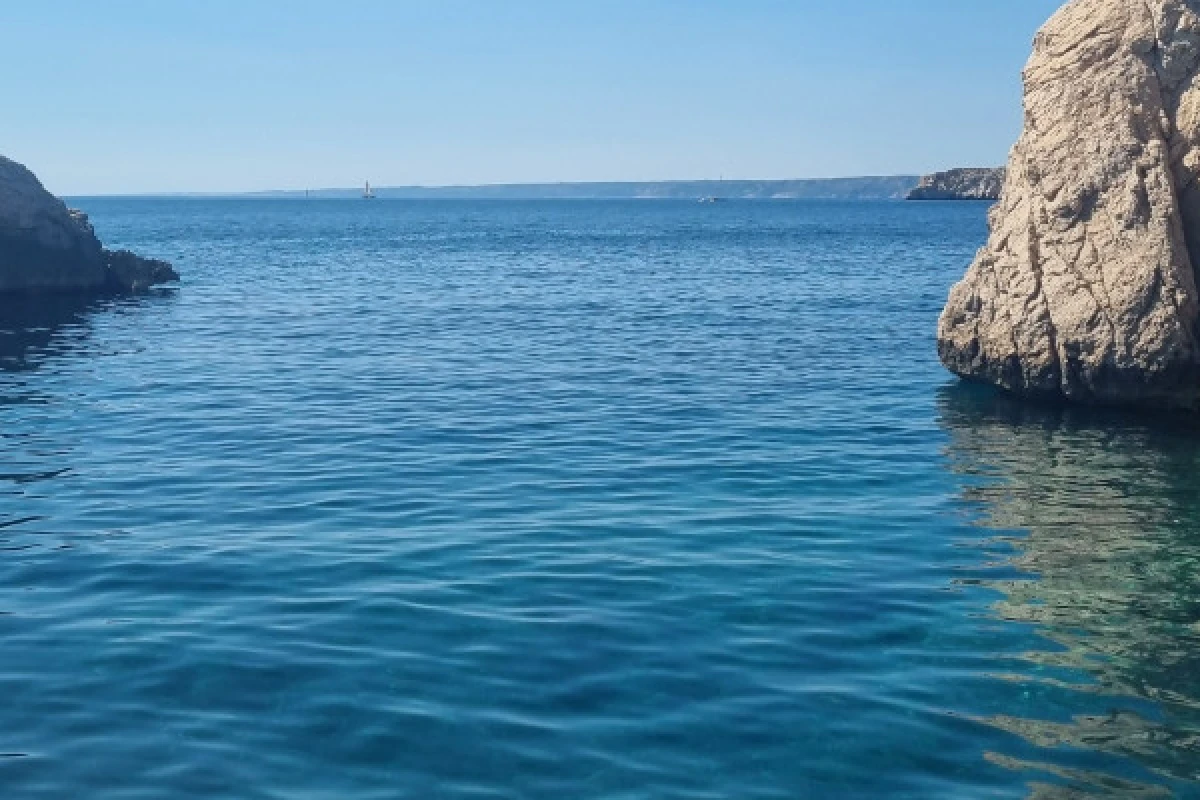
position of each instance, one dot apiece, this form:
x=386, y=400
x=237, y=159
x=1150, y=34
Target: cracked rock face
x=46, y=247
x=1087, y=287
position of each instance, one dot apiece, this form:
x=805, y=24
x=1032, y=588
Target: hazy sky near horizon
x=127, y=96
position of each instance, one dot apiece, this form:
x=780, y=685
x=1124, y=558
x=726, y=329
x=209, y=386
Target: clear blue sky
x=227, y=95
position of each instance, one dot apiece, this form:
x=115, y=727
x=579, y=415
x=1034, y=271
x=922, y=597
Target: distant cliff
x=46, y=247
x=961, y=184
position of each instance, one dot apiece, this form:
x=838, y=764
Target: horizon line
x=499, y=185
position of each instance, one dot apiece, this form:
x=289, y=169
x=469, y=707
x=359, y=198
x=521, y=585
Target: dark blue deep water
x=569, y=501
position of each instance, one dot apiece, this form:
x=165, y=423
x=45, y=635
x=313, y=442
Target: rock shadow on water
x=35, y=332
x=34, y=328
x=1102, y=511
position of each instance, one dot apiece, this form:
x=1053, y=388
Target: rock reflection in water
x=36, y=333
x=1103, y=511
x=39, y=325
x=36, y=328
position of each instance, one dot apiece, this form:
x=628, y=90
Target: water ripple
x=587, y=500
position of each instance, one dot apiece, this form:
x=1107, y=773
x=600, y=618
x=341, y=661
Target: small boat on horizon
x=715, y=198
x=368, y=192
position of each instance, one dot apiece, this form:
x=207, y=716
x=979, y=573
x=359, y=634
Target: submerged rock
x=47, y=247
x=961, y=184
x=1086, y=288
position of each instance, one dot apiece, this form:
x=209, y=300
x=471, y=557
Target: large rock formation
x=969, y=183
x=46, y=247
x=1087, y=286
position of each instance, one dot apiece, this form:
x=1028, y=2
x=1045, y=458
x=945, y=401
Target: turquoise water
x=452, y=499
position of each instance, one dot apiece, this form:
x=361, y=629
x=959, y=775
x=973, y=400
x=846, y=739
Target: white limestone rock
x=1086, y=288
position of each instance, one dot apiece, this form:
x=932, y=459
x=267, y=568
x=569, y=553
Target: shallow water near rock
x=452, y=499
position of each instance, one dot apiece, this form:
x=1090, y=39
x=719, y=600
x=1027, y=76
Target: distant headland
x=973, y=183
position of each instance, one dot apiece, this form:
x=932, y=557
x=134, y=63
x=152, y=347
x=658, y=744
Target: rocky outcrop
x=1086, y=289
x=131, y=272
x=961, y=184
x=46, y=247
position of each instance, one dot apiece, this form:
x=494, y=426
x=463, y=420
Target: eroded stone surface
x=1086, y=288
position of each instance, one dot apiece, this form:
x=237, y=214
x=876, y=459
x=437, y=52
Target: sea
x=573, y=500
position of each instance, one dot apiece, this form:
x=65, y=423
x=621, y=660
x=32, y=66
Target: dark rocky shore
x=961, y=184
x=47, y=247
x=1087, y=288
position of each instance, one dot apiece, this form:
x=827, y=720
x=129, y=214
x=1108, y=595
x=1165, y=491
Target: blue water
x=622, y=500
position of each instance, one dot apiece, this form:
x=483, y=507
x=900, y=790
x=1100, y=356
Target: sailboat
x=368, y=193
x=715, y=198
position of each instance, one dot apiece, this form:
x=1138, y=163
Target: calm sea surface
x=572, y=500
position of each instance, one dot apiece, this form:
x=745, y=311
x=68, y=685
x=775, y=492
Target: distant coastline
x=888, y=187
x=871, y=187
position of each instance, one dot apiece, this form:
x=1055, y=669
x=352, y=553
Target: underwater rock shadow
x=1102, y=508
x=34, y=328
